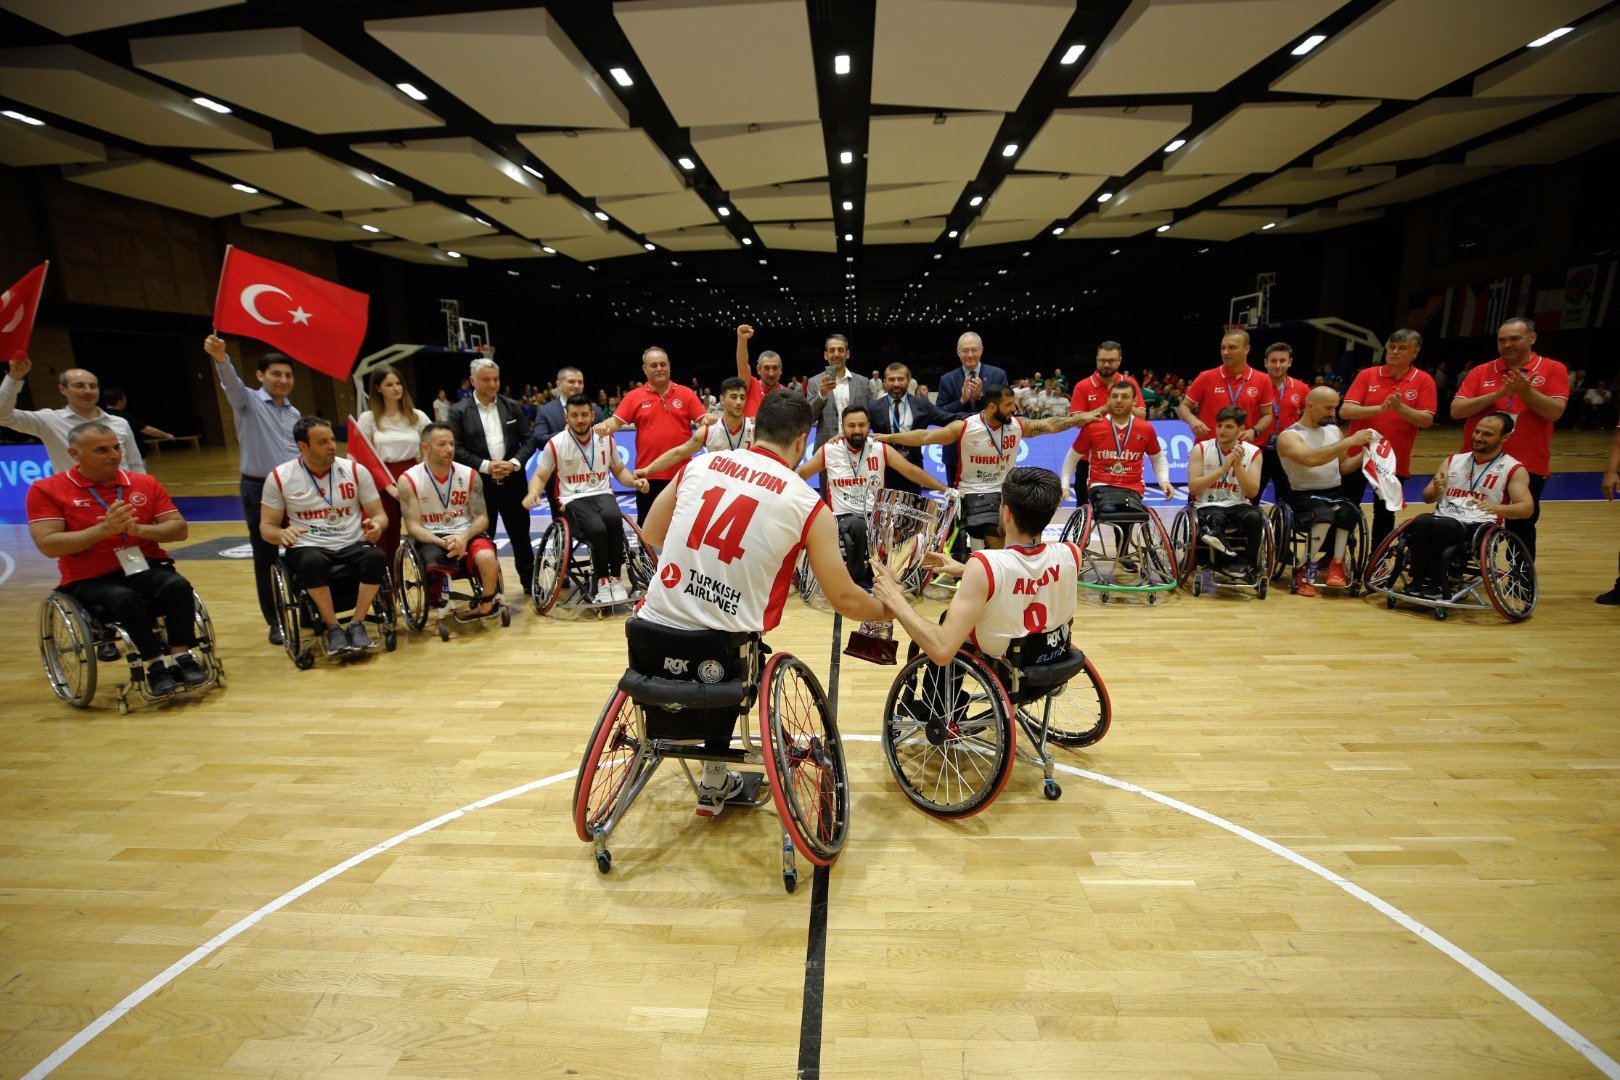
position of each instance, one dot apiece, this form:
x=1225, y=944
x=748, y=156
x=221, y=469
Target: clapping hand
x=120, y=517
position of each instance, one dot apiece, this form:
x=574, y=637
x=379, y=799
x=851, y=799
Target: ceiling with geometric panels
x=799, y=160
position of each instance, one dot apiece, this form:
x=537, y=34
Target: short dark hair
x=1032, y=495
x=1508, y=422
x=429, y=429
x=836, y=337
x=1280, y=346
x=1233, y=413
x=850, y=410
x=897, y=366
x=994, y=394
x=580, y=399
x=1111, y=346
x=110, y=394
x=1406, y=335
x=306, y=424
x=1122, y=381
x=734, y=383
x=783, y=416
x=272, y=358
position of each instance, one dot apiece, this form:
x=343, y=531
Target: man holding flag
x=51, y=426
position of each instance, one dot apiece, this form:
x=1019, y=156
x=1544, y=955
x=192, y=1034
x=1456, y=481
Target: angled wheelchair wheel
x=1075, y=530
x=1388, y=564
x=1161, y=565
x=385, y=611
x=203, y=627
x=1184, y=542
x=639, y=563
x=289, y=614
x=804, y=580
x=1356, y=555
x=411, y=578
x=67, y=649
x=804, y=758
x=1279, y=524
x=617, y=755
x=947, y=733
x=1508, y=574
x=551, y=557
x=1078, y=713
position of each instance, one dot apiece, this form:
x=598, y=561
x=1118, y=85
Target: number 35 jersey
x=741, y=517
x=1032, y=591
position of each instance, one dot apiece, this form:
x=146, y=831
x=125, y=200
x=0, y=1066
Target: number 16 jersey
x=741, y=517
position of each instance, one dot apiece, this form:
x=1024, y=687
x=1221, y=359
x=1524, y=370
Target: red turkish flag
x=18, y=306
x=309, y=318
x=365, y=455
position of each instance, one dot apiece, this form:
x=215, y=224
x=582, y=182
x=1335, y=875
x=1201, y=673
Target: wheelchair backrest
x=708, y=656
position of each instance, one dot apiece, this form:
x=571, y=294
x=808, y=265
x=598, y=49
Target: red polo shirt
x=662, y=421
x=756, y=394
x=71, y=499
x=1092, y=393
x=1214, y=390
x=1286, y=409
x=1372, y=386
x=1531, y=441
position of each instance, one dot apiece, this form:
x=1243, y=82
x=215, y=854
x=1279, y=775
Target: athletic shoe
x=604, y=591
x=711, y=801
x=1303, y=585
x=620, y=593
x=277, y=636
x=107, y=652
x=1612, y=596
x=1216, y=542
x=337, y=641
x=358, y=638
x=1336, y=578
x=160, y=680
x=191, y=671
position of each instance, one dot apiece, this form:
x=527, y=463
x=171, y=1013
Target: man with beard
x=898, y=410
x=1115, y=446
x=441, y=508
x=1090, y=398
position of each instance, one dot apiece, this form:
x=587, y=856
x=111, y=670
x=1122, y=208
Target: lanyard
x=118, y=494
x=1232, y=394
x=1475, y=478
x=742, y=434
x=1119, y=443
x=587, y=450
x=900, y=411
x=994, y=434
x=449, y=485
x=331, y=486
x=855, y=459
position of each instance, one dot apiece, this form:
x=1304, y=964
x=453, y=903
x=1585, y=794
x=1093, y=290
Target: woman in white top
x=393, y=425
x=441, y=407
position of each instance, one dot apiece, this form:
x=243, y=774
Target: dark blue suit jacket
x=552, y=419
x=950, y=390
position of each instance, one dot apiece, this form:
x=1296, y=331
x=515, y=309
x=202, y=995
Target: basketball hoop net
x=485, y=351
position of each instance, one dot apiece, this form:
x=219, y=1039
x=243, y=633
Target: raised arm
x=814, y=463
x=230, y=380
x=939, y=436
x=10, y=387
x=911, y=472
x=744, y=332
x=1052, y=424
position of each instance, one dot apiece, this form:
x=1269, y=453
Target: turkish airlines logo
x=670, y=575
x=250, y=299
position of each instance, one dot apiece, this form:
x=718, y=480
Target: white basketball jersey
x=577, y=468
x=741, y=517
x=854, y=479
x=445, y=504
x=1032, y=590
x=1308, y=478
x=985, y=455
x=1468, y=482
x=720, y=437
x=330, y=507
x=1226, y=491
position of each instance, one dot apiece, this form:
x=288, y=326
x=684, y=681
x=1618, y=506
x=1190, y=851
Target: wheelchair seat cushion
x=1117, y=505
x=680, y=694
x=1044, y=659
x=1054, y=672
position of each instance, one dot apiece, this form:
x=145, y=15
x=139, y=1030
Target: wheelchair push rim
x=67, y=651
x=952, y=757
x=804, y=759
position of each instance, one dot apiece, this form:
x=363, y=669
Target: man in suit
x=550, y=421
x=834, y=390
x=491, y=438
x=961, y=390
x=898, y=411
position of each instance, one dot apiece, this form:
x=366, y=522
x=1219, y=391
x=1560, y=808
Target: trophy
x=900, y=529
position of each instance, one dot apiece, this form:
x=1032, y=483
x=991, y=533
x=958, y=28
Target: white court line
x=1578, y=1042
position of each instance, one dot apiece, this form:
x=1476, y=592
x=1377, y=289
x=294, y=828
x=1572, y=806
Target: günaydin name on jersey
x=711, y=591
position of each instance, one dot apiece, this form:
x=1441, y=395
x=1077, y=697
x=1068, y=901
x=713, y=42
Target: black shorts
x=981, y=515
x=312, y=567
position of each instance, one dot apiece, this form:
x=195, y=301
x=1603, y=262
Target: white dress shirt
x=494, y=432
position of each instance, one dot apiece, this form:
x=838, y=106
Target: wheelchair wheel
x=617, y=756
x=1184, y=543
x=1160, y=563
x=1508, y=574
x=1078, y=713
x=203, y=626
x=551, y=557
x=1386, y=567
x=639, y=563
x=1077, y=529
x=413, y=584
x=804, y=579
x=288, y=614
x=1279, y=524
x=67, y=649
x=947, y=732
x=385, y=611
x=1356, y=555
x=804, y=758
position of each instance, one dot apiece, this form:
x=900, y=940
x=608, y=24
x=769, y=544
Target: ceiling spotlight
x=1105, y=196
x=1114, y=252
x=724, y=211
x=846, y=157
x=371, y=228
x=1174, y=144
x=841, y=64
x=482, y=222
x=848, y=237
x=1308, y=44
x=1058, y=231
x=976, y=200
x=848, y=205
x=22, y=117
x=454, y=254
x=747, y=241
x=1073, y=54
x=601, y=216
x=244, y=189
x=1009, y=150
x=650, y=247
x=211, y=104
x=548, y=250
x=511, y=273
x=952, y=234
x=762, y=262
x=686, y=163
x=1268, y=225
x=621, y=76
x=534, y=172
x=1554, y=36
x=939, y=255
x=410, y=91
x=382, y=180
x=1162, y=228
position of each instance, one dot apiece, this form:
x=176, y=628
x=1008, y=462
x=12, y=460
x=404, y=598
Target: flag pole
x=219, y=284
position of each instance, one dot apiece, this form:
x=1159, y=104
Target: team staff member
x=581, y=458
x=663, y=414
x=1288, y=402
x=441, y=504
x=103, y=526
x=725, y=565
x=731, y=430
x=493, y=439
x=1233, y=383
x=1090, y=397
x=264, y=439
x=81, y=390
x=770, y=372
x=326, y=513
x=899, y=410
x=1531, y=388
x=1396, y=400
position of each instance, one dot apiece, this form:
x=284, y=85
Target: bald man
x=1317, y=457
x=81, y=390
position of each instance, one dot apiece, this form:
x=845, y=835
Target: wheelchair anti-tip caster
x=444, y=632
x=304, y=660
x=1389, y=602
x=1440, y=614
x=790, y=880
x=604, y=861
x=1052, y=790
x=506, y=615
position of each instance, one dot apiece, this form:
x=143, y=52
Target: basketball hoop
x=485, y=351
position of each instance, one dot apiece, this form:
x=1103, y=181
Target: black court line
x=815, y=980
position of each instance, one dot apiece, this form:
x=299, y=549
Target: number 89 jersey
x=1032, y=591
x=741, y=517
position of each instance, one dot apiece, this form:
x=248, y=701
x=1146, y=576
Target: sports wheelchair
x=71, y=636
x=563, y=573
x=1125, y=550
x=652, y=716
x=950, y=732
x=424, y=589
x=1203, y=568
x=1291, y=537
x=297, y=615
x=1490, y=570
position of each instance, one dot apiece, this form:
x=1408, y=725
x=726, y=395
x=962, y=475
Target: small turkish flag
x=18, y=305
x=309, y=318
x=363, y=454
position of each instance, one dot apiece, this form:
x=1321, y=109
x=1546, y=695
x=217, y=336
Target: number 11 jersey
x=741, y=517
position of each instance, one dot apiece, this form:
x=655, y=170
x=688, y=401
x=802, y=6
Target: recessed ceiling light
x=1268, y=225
x=650, y=247
x=848, y=205
x=938, y=255
x=1009, y=150
x=548, y=250
x=952, y=234
x=848, y=237
x=454, y=254
x=724, y=211
x=846, y=157
x=511, y=273
x=371, y=228
x=245, y=189
x=1554, y=36
x=1073, y=54
x=976, y=200
x=841, y=64
x=211, y=104
x=747, y=241
x=686, y=163
x=410, y=91
x=1114, y=252
x=1162, y=228
x=621, y=76
x=601, y=216
x=1105, y=196
x=482, y=222
x=1058, y=231
x=534, y=172
x=22, y=117
x=1174, y=144
x=1308, y=44
x=381, y=180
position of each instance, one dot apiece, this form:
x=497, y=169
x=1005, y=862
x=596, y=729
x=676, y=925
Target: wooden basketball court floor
x=1322, y=839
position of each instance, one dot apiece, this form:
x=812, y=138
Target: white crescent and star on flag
x=16, y=319
x=250, y=298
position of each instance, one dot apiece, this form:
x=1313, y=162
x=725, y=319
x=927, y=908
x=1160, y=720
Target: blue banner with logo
x=20, y=466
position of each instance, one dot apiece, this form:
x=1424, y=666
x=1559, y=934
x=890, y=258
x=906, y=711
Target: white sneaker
x=604, y=591
x=620, y=593
x=711, y=801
